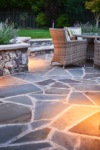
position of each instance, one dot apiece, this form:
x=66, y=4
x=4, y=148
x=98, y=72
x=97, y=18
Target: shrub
x=7, y=33
x=41, y=19
x=23, y=17
x=63, y=21
x=88, y=28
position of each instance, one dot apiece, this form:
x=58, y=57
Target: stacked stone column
x=13, y=61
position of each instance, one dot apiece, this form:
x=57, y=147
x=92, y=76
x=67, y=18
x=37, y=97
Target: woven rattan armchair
x=97, y=53
x=67, y=52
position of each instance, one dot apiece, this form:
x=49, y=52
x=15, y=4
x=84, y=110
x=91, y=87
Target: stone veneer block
x=13, y=58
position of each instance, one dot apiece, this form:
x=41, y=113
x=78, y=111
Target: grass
x=35, y=34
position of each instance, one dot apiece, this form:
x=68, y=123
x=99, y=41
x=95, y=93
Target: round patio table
x=90, y=42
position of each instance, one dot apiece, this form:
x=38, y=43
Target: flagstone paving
x=50, y=108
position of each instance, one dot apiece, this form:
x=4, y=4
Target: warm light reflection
x=37, y=65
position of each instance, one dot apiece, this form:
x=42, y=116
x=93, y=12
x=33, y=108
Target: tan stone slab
x=73, y=115
x=87, y=143
x=90, y=126
x=95, y=96
x=9, y=80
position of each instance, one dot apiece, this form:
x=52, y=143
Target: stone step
x=41, y=42
x=41, y=48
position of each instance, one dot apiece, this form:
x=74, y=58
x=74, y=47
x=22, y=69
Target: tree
x=94, y=6
x=75, y=9
x=52, y=9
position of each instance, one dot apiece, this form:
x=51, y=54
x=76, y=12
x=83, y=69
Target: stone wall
x=13, y=61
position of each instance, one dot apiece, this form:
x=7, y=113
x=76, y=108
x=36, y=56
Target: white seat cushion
x=67, y=36
x=75, y=31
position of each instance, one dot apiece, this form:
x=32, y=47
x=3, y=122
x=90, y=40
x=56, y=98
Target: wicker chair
x=97, y=53
x=67, y=52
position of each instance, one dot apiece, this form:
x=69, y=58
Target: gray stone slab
x=66, y=140
x=59, y=77
x=79, y=98
x=40, y=123
x=57, y=71
x=14, y=113
x=13, y=90
x=43, y=97
x=29, y=77
x=87, y=81
x=48, y=110
x=45, y=82
x=60, y=85
x=92, y=70
x=76, y=73
x=69, y=81
x=23, y=99
x=40, y=92
x=57, y=91
x=87, y=143
x=34, y=136
x=89, y=76
x=36, y=146
x=85, y=87
x=9, y=132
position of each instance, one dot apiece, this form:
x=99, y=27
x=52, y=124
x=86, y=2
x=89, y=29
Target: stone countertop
x=14, y=46
x=21, y=39
x=40, y=40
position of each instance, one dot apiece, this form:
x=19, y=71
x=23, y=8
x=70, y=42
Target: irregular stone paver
x=79, y=98
x=69, y=81
x=14, y=113
x=34, y=136
x=66, y=140
x=95, y=96
x=60, y=77
x=57, y=71
x=48, y=109
x=40, y=123
x=23, y=99
x=9, y=132
x=87, y=143
x=57, y=91
x=36, y=146
x=92, y=70
x=72, y=116
x=29, y=77
x=76, y=72
x=85, y=87
x=64, y=99
x=89, y=126
x=43, y=97
x=13, y=90
x=45, y=82
x=89, y=76
x=60, y=85
x=9, y=80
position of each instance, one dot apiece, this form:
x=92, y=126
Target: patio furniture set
x=73, y=47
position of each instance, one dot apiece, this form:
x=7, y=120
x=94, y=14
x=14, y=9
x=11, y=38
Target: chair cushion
x=72, y=31
x=67, y=36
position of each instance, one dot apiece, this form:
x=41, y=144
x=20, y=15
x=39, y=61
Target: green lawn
x=35, y=34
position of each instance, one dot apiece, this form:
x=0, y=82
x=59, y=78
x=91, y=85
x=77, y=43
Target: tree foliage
x=94, y=6
x=75, y=9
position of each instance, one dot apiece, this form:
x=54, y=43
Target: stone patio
x=49, y=108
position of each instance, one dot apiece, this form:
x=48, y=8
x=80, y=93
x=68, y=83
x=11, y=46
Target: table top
x=88, y=35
